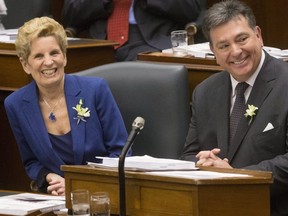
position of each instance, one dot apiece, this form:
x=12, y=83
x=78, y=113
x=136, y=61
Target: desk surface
x=8, y=192
x=152, y=195
x=207, y=64
x=72, y=43
x=253, y=176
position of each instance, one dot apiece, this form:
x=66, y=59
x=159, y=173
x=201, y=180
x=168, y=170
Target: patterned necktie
x=238, y=108
x=118, y=23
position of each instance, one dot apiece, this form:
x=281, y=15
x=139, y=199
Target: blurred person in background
x=150, y=22
x=3, y=12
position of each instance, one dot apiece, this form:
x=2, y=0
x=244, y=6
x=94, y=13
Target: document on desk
x=145, y=163
x=26, y=203
x=199, y=50
x=8, y=35
x=200, y=174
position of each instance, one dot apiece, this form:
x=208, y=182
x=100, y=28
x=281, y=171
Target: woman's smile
x=49, y=72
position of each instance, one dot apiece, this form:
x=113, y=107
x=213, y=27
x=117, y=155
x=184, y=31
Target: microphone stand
x=137, y=125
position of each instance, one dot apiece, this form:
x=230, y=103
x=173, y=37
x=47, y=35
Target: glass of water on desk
x=80, y=202
x=100, y=204
x=179, y=42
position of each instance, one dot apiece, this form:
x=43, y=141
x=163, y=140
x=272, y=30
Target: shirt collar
x=251, y=79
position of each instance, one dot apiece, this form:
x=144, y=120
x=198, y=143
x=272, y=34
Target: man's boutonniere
x=250, y=112
x=82, y=112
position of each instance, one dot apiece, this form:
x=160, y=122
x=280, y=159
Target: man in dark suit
x=150, y=22
x=260, y=141
x=20, y=11
x=3, y=12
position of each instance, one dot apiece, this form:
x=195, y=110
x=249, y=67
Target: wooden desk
x=81, y=54
x=152, y=195
x=198, y=68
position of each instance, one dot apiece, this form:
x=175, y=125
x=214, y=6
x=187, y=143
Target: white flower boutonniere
x=82, y=112
x=251, y=112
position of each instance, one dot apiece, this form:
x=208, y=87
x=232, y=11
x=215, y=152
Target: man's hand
x=210, y=158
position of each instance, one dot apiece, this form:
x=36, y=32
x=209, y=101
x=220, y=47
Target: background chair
x=156, y=92
x=194, y=29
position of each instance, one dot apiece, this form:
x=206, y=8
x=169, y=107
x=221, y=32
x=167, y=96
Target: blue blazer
x=103, y=133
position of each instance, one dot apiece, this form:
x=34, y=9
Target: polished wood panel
x=152, y=195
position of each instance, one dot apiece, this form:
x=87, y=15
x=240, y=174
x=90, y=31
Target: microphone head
x=138, y=123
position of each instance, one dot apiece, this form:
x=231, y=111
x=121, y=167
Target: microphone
x=137, y=125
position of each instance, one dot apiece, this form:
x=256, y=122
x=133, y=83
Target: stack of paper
x=200, y=174
x=8, y=35
x=199, y=50
x=146, y=163
x=276, y=52
x=26, y=203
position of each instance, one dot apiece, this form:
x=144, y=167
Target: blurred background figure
x=148, y=23
x=3, y=12
x=20, y=11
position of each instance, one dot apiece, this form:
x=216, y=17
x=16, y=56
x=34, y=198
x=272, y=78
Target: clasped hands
x=210, y=158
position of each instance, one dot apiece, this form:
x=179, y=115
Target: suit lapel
x=223, y=109
x=261, y=89
x=72, y=92
x=34, y=118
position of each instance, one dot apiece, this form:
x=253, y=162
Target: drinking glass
x=80, y=202
x=100, y=204
x=179, y=42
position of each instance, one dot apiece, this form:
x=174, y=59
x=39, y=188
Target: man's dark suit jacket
x=251, y=148
x=155, y=18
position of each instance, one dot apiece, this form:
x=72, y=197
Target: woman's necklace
x=52, y=116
